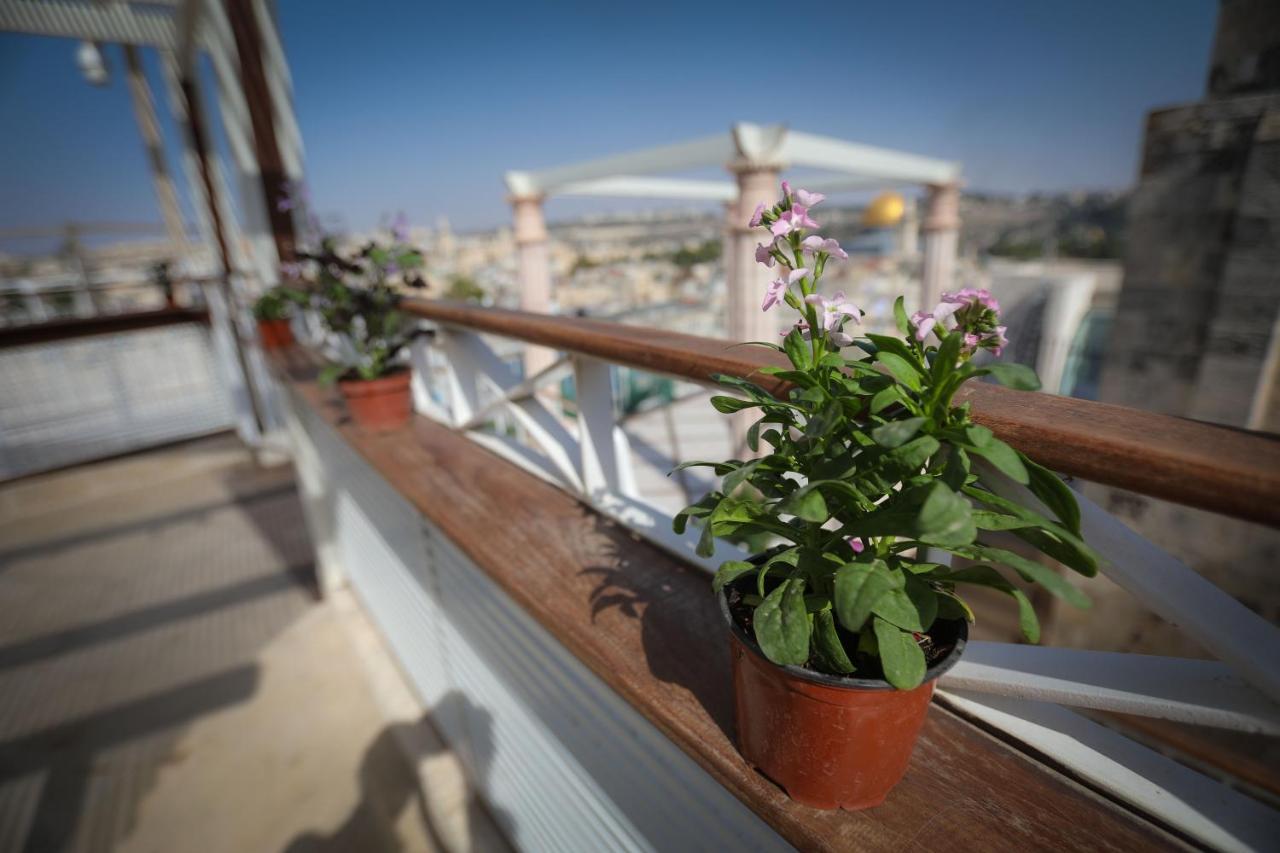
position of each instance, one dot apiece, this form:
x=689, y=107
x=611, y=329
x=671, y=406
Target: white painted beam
x=636, y=186
x=1190, y=802
x=106, y=22
x=1200, y=692
x=837, y=182
x=822, y=152
x=696, y=154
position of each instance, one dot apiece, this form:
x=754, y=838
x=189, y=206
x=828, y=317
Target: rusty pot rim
x=840, y=681
x=391, y=381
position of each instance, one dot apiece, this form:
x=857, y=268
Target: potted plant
x=868, y=479
x=358, y=300
x=273, y=310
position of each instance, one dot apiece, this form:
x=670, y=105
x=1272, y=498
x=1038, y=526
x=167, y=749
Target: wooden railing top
x=105, y=324
x=1221, y=469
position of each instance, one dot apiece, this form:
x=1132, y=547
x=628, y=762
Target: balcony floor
x=168, y=679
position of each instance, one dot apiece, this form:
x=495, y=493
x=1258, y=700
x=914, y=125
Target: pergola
x=755, y=156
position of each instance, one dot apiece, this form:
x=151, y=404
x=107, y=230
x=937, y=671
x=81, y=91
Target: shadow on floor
x=390, y=784
x=51, y=645
x=66, y=752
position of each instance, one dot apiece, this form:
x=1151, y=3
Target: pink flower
x=924, y=322
x=807, y=198
x=786, y=191
x=764, y=254
x=856, y=544
x=777, y=287
x=832, y=314
x=973, y=296
x=757, y=216
x=795, y=219
x=815, y=243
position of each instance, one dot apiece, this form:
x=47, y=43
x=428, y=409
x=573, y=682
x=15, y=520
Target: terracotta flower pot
x=830, y=742
x=275, y=334
x=379, y=404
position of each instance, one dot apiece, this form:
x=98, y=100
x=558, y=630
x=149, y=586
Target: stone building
x=1196, y=331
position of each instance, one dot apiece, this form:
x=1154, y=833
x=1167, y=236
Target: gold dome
x=885, y=211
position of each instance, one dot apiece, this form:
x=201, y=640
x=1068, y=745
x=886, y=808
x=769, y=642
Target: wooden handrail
x=106, y=324
x=1230, y=471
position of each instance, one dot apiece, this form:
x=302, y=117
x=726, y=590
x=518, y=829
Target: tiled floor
x=168, y=680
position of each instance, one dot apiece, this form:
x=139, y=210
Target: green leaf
x=900, y=655
x=945, y=518
x=952, y=606
x=828, y=651
x=1028, y=569
x=925, y=599
x=1054, y=494
x=1079, y=559
x=730, y=571
x=896, y=433
x=956, y=472
x=753, y=436
x=900, y=317
x=897, y=607
x=806, y=503
x=797, y=349
x=782, y=624
x=728, y=405
x=901, y=369
x=858, y=588
x=944, y=361
x=885, y=398
x=885, y=343
x=706, y=542
x=1059, y=542
x=1017, y=376
x=739, y=475
x=1005, y=459
x=330, y=373
x=989, y=577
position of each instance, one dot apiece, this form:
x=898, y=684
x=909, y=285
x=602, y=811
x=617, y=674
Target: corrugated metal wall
x=564, y=763
x=73, y=401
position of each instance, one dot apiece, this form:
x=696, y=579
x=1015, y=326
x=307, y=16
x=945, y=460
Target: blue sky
x=421, y=107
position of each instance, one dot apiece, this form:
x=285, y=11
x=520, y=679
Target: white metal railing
x=1025, y=691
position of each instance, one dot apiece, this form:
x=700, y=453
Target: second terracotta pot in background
x=275, y=334
x=830, y=742
x=379, y=404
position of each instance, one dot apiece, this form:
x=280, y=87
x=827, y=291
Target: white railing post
x=600, y=465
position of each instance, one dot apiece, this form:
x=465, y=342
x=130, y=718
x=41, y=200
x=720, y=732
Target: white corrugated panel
x=564, y=763
x=73, y=401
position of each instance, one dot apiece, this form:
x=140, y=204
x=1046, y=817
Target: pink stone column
x=534, y=270
x=941, y=227
x=746, y=279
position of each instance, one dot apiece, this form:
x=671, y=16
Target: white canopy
x=638, y=174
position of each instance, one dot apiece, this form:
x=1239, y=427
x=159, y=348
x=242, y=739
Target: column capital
x=942, y=207
x=530, y=225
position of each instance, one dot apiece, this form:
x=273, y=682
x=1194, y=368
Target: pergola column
x=747, y=279
x=534, y=270
x=941, y=227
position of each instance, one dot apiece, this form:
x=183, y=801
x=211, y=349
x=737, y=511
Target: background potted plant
x=869, y=476
x=358, y=300
x=273, y=311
